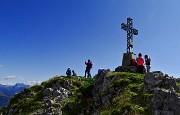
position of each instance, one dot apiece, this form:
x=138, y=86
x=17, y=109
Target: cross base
x=127, y=57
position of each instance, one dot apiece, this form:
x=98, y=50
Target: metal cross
x=130, y=32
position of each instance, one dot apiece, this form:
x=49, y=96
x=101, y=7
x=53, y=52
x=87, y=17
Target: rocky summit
x=165, y=100
x=107, y=93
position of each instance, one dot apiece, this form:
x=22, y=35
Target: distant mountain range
x=7, y=91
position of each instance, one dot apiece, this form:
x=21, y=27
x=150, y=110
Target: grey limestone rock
x=165, y=100
x=102, y=93
x=158, y=79
x=53, y=95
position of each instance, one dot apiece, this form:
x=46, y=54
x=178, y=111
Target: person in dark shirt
x=68, y=72
x=74, y=73
x=148, y=63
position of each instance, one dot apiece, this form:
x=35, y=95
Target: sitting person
x=133, y=62
x=73, y=73
x=68, y=72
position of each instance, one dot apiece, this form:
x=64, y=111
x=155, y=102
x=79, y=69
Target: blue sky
x=40, y=39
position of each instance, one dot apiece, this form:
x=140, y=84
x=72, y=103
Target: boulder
x=101, y=92
x=165, y=100
x=53, y=95
x=156, y=79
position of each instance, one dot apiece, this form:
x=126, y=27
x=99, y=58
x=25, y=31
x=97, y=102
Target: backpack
x=90, y=64
x=133, y=62
x=140, y=61
x=148, y=61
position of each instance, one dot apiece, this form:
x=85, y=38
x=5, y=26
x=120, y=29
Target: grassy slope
x=34, y=94
x=130, y=101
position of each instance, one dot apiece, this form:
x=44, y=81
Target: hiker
x=140, y=63
x=88, y=68
x=133, y=62
x=74, y=73
x=68, y=72
x=147, y=62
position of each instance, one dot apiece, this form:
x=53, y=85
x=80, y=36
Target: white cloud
x=10, y=77
x=13, y=77
x=34, y=82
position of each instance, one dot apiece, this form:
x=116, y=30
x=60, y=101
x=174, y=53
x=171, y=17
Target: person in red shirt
x=140, y=63
x=133, y=62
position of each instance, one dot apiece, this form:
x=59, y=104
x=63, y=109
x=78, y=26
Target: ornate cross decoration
x=130, y=32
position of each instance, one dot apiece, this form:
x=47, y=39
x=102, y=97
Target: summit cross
x=130, y=32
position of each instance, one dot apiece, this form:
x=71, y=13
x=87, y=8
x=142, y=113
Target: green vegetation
x=30, y=99
x=27, y=101
x=128, y=99
x=82, y=91
x=178, y=83
x=131, y=99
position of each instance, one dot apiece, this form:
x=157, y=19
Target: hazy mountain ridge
x=7, y=91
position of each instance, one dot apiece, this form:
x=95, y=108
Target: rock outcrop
x=100, y=85
x=165, y=100
x=53, y=95
x=105, y=90
x=51, y=99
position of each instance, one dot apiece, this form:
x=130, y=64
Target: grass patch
x=131, y=100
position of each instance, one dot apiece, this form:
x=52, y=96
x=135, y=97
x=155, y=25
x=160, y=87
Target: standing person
x=88, y=68
x=147, y=62
x=68, y=72
x=140, y=63
x=74, y=73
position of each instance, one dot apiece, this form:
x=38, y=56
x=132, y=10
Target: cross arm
x=135, y=32
x=123, y=26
